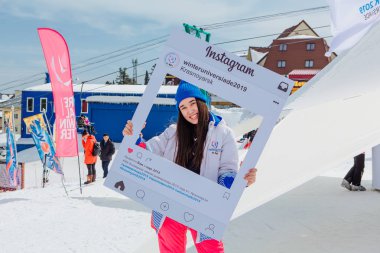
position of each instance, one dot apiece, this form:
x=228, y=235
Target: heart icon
x=130, y=150
x=188, y=217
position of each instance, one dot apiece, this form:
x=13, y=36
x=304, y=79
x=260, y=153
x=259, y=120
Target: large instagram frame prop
x=170, y=189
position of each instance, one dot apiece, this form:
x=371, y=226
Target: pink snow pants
x=172, y=239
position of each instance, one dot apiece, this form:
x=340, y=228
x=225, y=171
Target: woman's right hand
x=128, y=129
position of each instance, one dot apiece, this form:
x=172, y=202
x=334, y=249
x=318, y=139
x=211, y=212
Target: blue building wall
x=109, y=118
x=36, y=95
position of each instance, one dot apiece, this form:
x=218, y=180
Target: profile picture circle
x=172, y=60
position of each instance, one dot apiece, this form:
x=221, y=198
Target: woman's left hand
x=250, y=176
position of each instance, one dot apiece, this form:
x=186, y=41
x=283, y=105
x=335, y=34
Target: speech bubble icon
x=283, y=86
x=140, y=194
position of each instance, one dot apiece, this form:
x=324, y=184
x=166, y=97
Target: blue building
x=107, y=106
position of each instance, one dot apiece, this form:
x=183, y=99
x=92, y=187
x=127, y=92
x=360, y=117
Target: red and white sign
x=58, y=63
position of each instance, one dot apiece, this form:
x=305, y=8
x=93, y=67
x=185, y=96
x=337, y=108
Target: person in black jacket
x=107, y=150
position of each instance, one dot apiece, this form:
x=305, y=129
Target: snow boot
x=358, y=188
x=89, y=179
x=93, y=178
x=346, y=185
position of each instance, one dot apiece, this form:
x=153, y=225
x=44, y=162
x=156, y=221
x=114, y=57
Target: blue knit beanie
x=187, y=90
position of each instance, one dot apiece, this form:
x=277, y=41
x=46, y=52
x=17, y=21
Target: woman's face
x=189, y=109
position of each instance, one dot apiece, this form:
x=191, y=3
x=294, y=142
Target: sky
x=96, y=28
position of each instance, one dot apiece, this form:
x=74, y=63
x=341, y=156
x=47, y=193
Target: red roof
x=303, y=74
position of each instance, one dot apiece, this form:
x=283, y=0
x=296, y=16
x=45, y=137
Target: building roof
x=260, y=49
x=113, y=88
x=15, y=101
x=300, y=37
x=127, y=100
x=256, y=55
x=287, y=32
x=5, y=97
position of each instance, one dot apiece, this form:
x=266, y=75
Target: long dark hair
x=186, y=132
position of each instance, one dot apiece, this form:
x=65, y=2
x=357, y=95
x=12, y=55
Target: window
x=43, y=104
x=281, y=64
x=310, y=46
x=84, y=106
x=30, y=104
x=283, y=47
x=16, y=116
x=309, y=63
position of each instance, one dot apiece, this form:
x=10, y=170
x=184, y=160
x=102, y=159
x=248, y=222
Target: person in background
x=107, y=150
x=352, y=181
x=191, y=143
x=87, y=124
x=81, y=121
x=88, y=142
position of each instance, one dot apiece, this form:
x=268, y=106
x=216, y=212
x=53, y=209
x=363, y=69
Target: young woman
x=202, y=143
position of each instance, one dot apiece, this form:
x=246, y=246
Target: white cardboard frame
x=167, y=187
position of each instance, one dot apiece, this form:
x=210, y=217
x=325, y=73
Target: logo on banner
x=172, y=60
x=61, y=70
x=369, y=9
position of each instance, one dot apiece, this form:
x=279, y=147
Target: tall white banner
x=350, y=21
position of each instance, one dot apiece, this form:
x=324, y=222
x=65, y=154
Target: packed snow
x=98, y=220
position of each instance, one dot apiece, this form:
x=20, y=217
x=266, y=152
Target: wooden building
x=298, y=53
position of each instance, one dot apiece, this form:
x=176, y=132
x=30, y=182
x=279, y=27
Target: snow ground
x=316, y=217
x=100, y=220
x=45, y=219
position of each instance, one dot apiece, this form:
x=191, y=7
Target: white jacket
x=220, y=154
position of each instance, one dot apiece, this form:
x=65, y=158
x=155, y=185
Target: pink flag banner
x=58, y=63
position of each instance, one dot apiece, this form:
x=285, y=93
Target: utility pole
x=134, y=64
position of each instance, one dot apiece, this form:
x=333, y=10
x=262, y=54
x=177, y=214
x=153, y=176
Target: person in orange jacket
x=88, y=142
